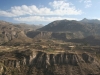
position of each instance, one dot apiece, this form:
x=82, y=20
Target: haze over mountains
x=77, y=31
x=67, y=30
x=15, y=33
x=84, y=26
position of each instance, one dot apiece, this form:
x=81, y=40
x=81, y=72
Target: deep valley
x=63, y=47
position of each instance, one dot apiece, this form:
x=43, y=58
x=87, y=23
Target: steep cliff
x=53, y=35
x=40, y=63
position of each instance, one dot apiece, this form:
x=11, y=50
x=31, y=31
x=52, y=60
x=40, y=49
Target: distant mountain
x=84, y=31
x=91, y=21
x=63, y=26
x=85, y=27
x=27, y=27
x=10, y=33
x=66, y=30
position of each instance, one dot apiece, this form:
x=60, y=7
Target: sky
x=46, y=11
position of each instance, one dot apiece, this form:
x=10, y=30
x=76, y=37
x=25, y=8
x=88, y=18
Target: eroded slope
x=41, y=63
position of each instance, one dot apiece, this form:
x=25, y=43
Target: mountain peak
x=85, y=20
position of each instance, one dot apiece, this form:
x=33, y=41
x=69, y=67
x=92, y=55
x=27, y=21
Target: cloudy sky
x=46, y=11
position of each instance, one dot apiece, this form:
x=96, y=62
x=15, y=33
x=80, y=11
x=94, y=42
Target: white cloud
x=6, y=14
x=40, y=18
x=98, y=18
x=88, y=3
x=80, y=0
x=59, y=7
x=64, y=8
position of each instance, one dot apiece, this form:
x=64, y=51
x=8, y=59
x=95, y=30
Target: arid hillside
x=32, y=62
x=12, y=34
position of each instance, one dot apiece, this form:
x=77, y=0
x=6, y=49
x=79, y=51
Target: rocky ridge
x=11, y=33
x=41, y=63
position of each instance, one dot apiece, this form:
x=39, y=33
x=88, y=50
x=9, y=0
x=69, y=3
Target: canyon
x=30, y=62
x=62, y=47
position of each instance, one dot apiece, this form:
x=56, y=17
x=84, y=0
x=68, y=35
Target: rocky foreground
x=29, y=62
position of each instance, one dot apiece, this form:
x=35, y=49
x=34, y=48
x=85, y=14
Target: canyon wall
x=40, y=63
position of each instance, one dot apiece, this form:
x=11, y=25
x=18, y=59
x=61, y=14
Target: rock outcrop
x=53, y=35
x=40, y=63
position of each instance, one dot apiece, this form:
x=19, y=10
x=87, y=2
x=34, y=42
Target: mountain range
x=67, y=30
x=88, y=27
x=63, y=47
